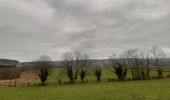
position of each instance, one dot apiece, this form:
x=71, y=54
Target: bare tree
x=76, y=63
x=77, y=56
x=85, y=63
x=120, y=66
x=43, y=68
x=136, y=62
x=68, y=62
x=146, y=63
x=158, y=55
x=98, y=73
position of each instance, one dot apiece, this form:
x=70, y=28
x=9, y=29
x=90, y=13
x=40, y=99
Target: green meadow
x=158, y=89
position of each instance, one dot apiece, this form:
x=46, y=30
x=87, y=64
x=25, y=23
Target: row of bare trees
x=137, y=61
x=75, y=64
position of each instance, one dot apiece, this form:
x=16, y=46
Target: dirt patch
x=26, y=78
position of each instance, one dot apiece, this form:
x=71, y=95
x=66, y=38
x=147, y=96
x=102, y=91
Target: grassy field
x=128, y=90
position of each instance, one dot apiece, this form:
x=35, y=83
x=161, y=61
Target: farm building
x=8, y=69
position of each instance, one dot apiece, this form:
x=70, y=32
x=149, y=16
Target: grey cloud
x=30, y=28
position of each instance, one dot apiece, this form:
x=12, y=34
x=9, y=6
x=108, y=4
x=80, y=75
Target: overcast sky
x=30, y=28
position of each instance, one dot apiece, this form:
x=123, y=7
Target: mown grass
x=129, y=90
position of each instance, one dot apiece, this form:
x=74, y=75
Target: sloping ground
x=26, y=78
